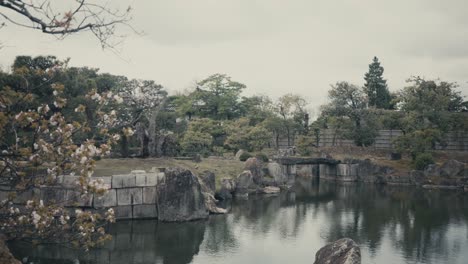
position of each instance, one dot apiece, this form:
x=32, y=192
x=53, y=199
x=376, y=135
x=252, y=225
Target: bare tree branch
x=98, y=18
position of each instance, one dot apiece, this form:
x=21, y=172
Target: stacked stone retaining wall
x=132, y=196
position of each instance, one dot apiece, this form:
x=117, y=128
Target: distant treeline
x=214, y=116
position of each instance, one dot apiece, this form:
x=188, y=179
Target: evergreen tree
x=376, y=87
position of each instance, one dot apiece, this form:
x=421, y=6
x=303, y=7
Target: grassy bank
x=223, y=168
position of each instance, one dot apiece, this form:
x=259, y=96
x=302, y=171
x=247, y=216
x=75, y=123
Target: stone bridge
x=287, y=169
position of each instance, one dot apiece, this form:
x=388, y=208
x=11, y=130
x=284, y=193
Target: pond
x=391, y=225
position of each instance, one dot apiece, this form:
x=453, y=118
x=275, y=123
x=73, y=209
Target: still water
x=391, y=225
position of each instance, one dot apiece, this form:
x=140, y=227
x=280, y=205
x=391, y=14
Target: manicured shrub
x=245, y=156
x=262, y=156
x=422, y=160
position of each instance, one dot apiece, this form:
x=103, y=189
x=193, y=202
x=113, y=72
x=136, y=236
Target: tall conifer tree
x=376, y=86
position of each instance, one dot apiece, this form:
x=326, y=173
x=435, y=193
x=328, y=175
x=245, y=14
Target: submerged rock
x=180, y=197
x=271, y=190
x=342, y=251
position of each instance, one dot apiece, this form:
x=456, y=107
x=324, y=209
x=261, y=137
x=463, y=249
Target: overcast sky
x=273, y=46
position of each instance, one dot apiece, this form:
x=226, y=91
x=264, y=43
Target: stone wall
x=132, y=196
x=456, y=141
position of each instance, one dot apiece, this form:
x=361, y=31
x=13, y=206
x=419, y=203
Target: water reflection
x=392, y=225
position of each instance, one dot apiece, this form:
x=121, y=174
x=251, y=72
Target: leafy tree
x=257, y=108
x=292, y=110
x=199, y=136
x=36, y=146
x=241, y=135
x=305, y=145
x=348, y=101
x=376, y=86
x=217, y=97
x=143, y=103
x=430, y=112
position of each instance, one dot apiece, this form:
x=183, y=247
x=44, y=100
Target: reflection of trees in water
x=283, y=214
x=416, y=220
x=219, y=236
x=133, y=242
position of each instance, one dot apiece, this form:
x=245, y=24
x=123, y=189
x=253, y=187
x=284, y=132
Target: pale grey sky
x=273, y=46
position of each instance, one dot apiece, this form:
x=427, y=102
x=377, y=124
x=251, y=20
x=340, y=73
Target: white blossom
x=36, y=218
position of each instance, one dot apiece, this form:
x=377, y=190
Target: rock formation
x=180, y=197
x=342, y=251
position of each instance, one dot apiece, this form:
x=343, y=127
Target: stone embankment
x=450, y=175
x=172, y=195
x=251, y=181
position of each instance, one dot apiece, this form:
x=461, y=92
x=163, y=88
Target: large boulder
x=275, y=171
x=245, y=183
x=210, y=203
x=417, y=177
x=255, y=166
x=208, y=180
x=452, y=168
x=432, y=170
x=208, y=186
x=343, y=251
x=228, y=186
x=370, y=172
x=180, y=197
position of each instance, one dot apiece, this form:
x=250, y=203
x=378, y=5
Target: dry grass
x=223, y=168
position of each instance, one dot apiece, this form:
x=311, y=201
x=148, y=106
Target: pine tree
x=376, y=87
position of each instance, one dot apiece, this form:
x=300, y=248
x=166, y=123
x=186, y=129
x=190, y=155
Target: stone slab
x=327, y=171
x=109, y=199
x=145, y=211
x=348, y=170
x=123, y=212
x=305, y=171
x=52, y=195
x=123, y=181
x=149, y=195
x=75, y=198
x=68, y=181
x=106, y=180
x=23, y=197
x=151, y=179
x=140, y=179
x=128, y=196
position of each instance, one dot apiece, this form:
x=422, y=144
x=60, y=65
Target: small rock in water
x=271, y=190
x=342, y=251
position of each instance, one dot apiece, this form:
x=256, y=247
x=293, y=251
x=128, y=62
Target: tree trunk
x=153, y=137
x=144, y=140
x=124, y=151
